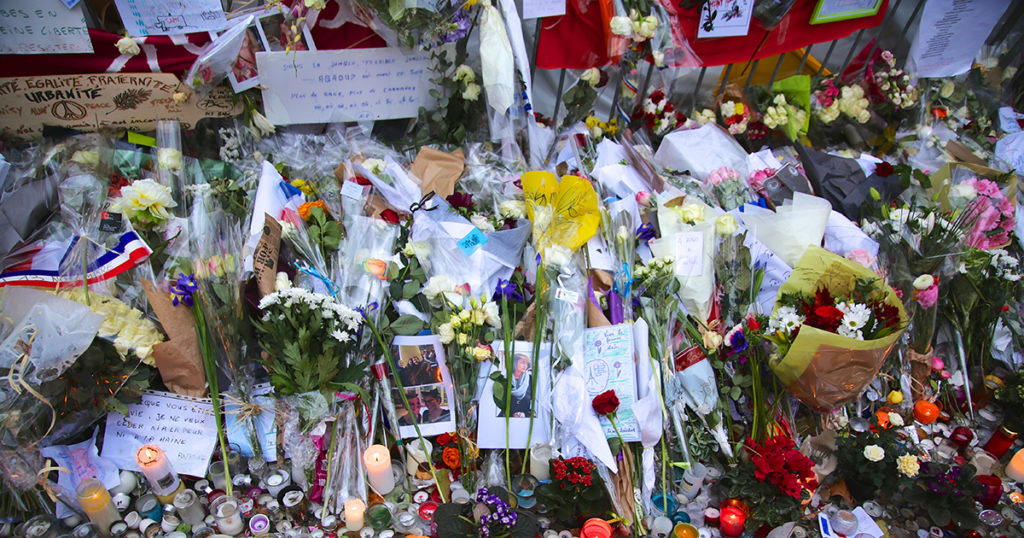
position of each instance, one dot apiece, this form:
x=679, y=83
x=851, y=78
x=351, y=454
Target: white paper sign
x=608, y=352
x=42, y=27
x=491, y=428
x=181, y=426
x=690, y=253
x=535, y=9
x=171, y=17
x=951, y=33
x=330, y=86
x=724, y=18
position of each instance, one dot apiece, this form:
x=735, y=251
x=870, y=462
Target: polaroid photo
x=276, y=34
x=427, y=384
x=491, y=426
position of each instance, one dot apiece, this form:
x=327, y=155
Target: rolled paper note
x=377, y=460
x=415, y=455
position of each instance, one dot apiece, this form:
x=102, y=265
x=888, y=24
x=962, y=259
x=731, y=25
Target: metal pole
x=536, y=45
x=828, y=55
x=753, y=67
x=807, y=52
x=725, y=79
x=775, y=73
x=853, y=50
x=558, y=99
x=700, y=80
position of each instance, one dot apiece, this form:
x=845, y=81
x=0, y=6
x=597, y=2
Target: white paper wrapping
x=790, y=229
x=497, y=63
x=701, y=151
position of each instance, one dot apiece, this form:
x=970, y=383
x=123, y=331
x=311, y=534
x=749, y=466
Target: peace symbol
x=68, y=111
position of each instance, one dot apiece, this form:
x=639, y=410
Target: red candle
x=731, y=521
x=1000, y=442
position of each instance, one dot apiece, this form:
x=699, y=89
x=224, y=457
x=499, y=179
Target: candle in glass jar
x=731, y=521
x=378, y=469
x=96, y=503
x=158, y=471
x=416, y=453
x=1000, y=442
x=229, y=518
x=354, y=509
x=189, y=508
x=1015, y=469
x=596, y=528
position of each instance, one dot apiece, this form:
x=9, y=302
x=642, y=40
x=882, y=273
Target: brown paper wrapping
x=837, y=375
x=920, y=370
x=602, y=282
x=437, y=170
x=178, y=359
x=264, y=258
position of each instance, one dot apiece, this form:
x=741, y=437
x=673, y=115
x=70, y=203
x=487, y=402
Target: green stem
x=401, y=391
x=509, y=355
x=330, y=468
x=538, y=337
x=210, y=367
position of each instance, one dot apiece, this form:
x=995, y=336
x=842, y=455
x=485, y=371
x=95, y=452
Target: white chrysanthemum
x=145, y=198
x=896, y=419
x=282, y=282
x=785, y=319
x=512, y=209
x=849, y=332
x=855, y=316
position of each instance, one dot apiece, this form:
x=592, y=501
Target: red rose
x=389, y=215
x=443, y=439
x=361, y=180
x=884, y=169
x=605, y=403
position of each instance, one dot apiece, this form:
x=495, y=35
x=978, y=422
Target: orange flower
x=376, y=267
x=451, y=457
x=306, y=208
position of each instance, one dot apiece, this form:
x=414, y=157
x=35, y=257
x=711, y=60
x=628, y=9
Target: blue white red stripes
x=129, y=252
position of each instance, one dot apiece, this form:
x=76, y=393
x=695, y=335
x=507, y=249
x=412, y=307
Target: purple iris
x=507, y=289
x=645, y=232
x=183, y=290
x=458, y=27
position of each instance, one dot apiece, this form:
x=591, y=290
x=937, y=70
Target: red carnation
x=360, y=180
x=884, y=169
x=389, y=215
x=606, y=403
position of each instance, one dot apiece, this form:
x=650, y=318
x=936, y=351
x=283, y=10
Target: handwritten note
x=342, y=85
x=690, y=253
x=47, y=27
x=472, y=241
x=608, y=352
x=171, y=17
x=724, y=18
x=183, y=427
x=86, y=102
x=535, y=9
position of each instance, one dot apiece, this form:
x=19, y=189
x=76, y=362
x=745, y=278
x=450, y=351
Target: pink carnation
x=927, y=297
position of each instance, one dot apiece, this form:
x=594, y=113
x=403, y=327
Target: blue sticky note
x=472, y=241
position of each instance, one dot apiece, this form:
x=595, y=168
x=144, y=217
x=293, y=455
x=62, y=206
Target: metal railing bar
x=725, y=79
x=696, y=88
x=558, y=98
x=775, y=73
x=821, y=68
x=1004, y=30
x=849, y=55
x=753, y=67
x=536, y=47
x=803, y=61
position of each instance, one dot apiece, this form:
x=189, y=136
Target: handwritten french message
x=342, y=85
x=182, y=427
x=47, y=27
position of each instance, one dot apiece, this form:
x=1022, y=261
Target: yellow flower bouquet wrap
x=823, y=369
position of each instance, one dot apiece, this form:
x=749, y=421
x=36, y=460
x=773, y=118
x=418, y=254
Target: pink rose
x=946, y=374
x=927, y=297
x=861, y=256
x=938, y=363
x=643, y=198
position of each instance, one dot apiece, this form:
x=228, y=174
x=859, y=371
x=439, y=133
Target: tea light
x=926, y=412
x=731, y=521
x=540, y=462
x=377, y=460
x=416, y=452
x=460, y=496
x=229, y=517
x=259, y=525
x=277, y=481
x=96, y=503
x=711, y=517
x=129, y=481
x=661, y=527
x=159, y=473
x=354, y=509
x=379, y=516
x=685, y=530
x=427, y=510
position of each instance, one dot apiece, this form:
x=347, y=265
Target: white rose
x=437, y=285
x=692, y=213
x=472, y=92
x=127, y=46
x=419, y=249
x=481, y=223
x=557, y=255
x=465, y=73
x=947, y=89
x=863, y=116
x=645, y=27
x=512, y=209
x=282, y=282
x=88, y=158
x=726, y=225
x=621, y=25
x=923, y=282
x=874, y=453
x=169, y=158
x=596, y=133
x=896, y=419
x=963, y=190
x=659, y=58
x=591, y=76
x=376, y=166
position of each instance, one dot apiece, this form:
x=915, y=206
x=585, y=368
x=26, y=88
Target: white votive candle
x=378, y=469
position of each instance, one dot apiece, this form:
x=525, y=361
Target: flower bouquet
x=833, y=324
x=575, y=490
x=774, y=481
x=876, y=461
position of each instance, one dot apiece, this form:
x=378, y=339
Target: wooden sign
x=88, y=102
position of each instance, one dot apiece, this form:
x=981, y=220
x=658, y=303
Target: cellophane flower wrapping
x=822, y=369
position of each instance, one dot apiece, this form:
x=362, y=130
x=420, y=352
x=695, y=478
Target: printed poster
x=427, y=385
x=491, y=428
x=609, y=365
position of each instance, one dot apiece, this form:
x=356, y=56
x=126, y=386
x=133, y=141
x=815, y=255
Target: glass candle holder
x=218, y=476
x=1000, y=442
x=961, y=437
x=190, y=510
x=378, y=516
x=524, y=485
x=96, y=503
x=229, y=518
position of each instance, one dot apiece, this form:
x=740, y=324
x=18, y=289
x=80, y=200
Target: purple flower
x=507, y=289
x=460, y=200
x=738, y=342
x=645, y=232
x=183, y=290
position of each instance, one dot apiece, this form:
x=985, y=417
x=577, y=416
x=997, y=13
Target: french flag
x=45, y=267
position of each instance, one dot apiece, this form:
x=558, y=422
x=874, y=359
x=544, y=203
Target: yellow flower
x=739, y=108
x=303, y=186
x=563, y=212
x=469, y=4
x=895, y=397
x=592, y=122
x=908, y=465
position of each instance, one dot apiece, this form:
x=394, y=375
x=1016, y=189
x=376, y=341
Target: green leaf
x=407, y=325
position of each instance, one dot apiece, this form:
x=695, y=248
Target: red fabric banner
x=575, y=40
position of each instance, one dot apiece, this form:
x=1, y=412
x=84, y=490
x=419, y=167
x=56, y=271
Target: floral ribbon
x=331, y=286
x=17, y=380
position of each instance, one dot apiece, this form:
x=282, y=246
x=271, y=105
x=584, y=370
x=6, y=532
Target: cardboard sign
x=34, y=27
x=87, y=102
x=343, y=85
x=609, y=365
x=169, y=17
x=183, y=427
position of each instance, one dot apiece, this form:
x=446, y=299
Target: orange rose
x=306, y=208
x=451, y=457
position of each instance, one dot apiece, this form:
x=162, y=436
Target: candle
x=1015, y=469
x=731, y=521
x=685, y=530
x=1000, y=442
x=711, y=516
x=661, y=527
x=158, y=471
x=259, y=525
x=378, y=469
x=354, y=509
x=217, y=475
x=128, y=483
x=277, y=481
x=189, y=508
x=416, y=453
x=229, y=518
x=596, y=528
x=540, y=461
x=96, y=503
x=926, y=412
